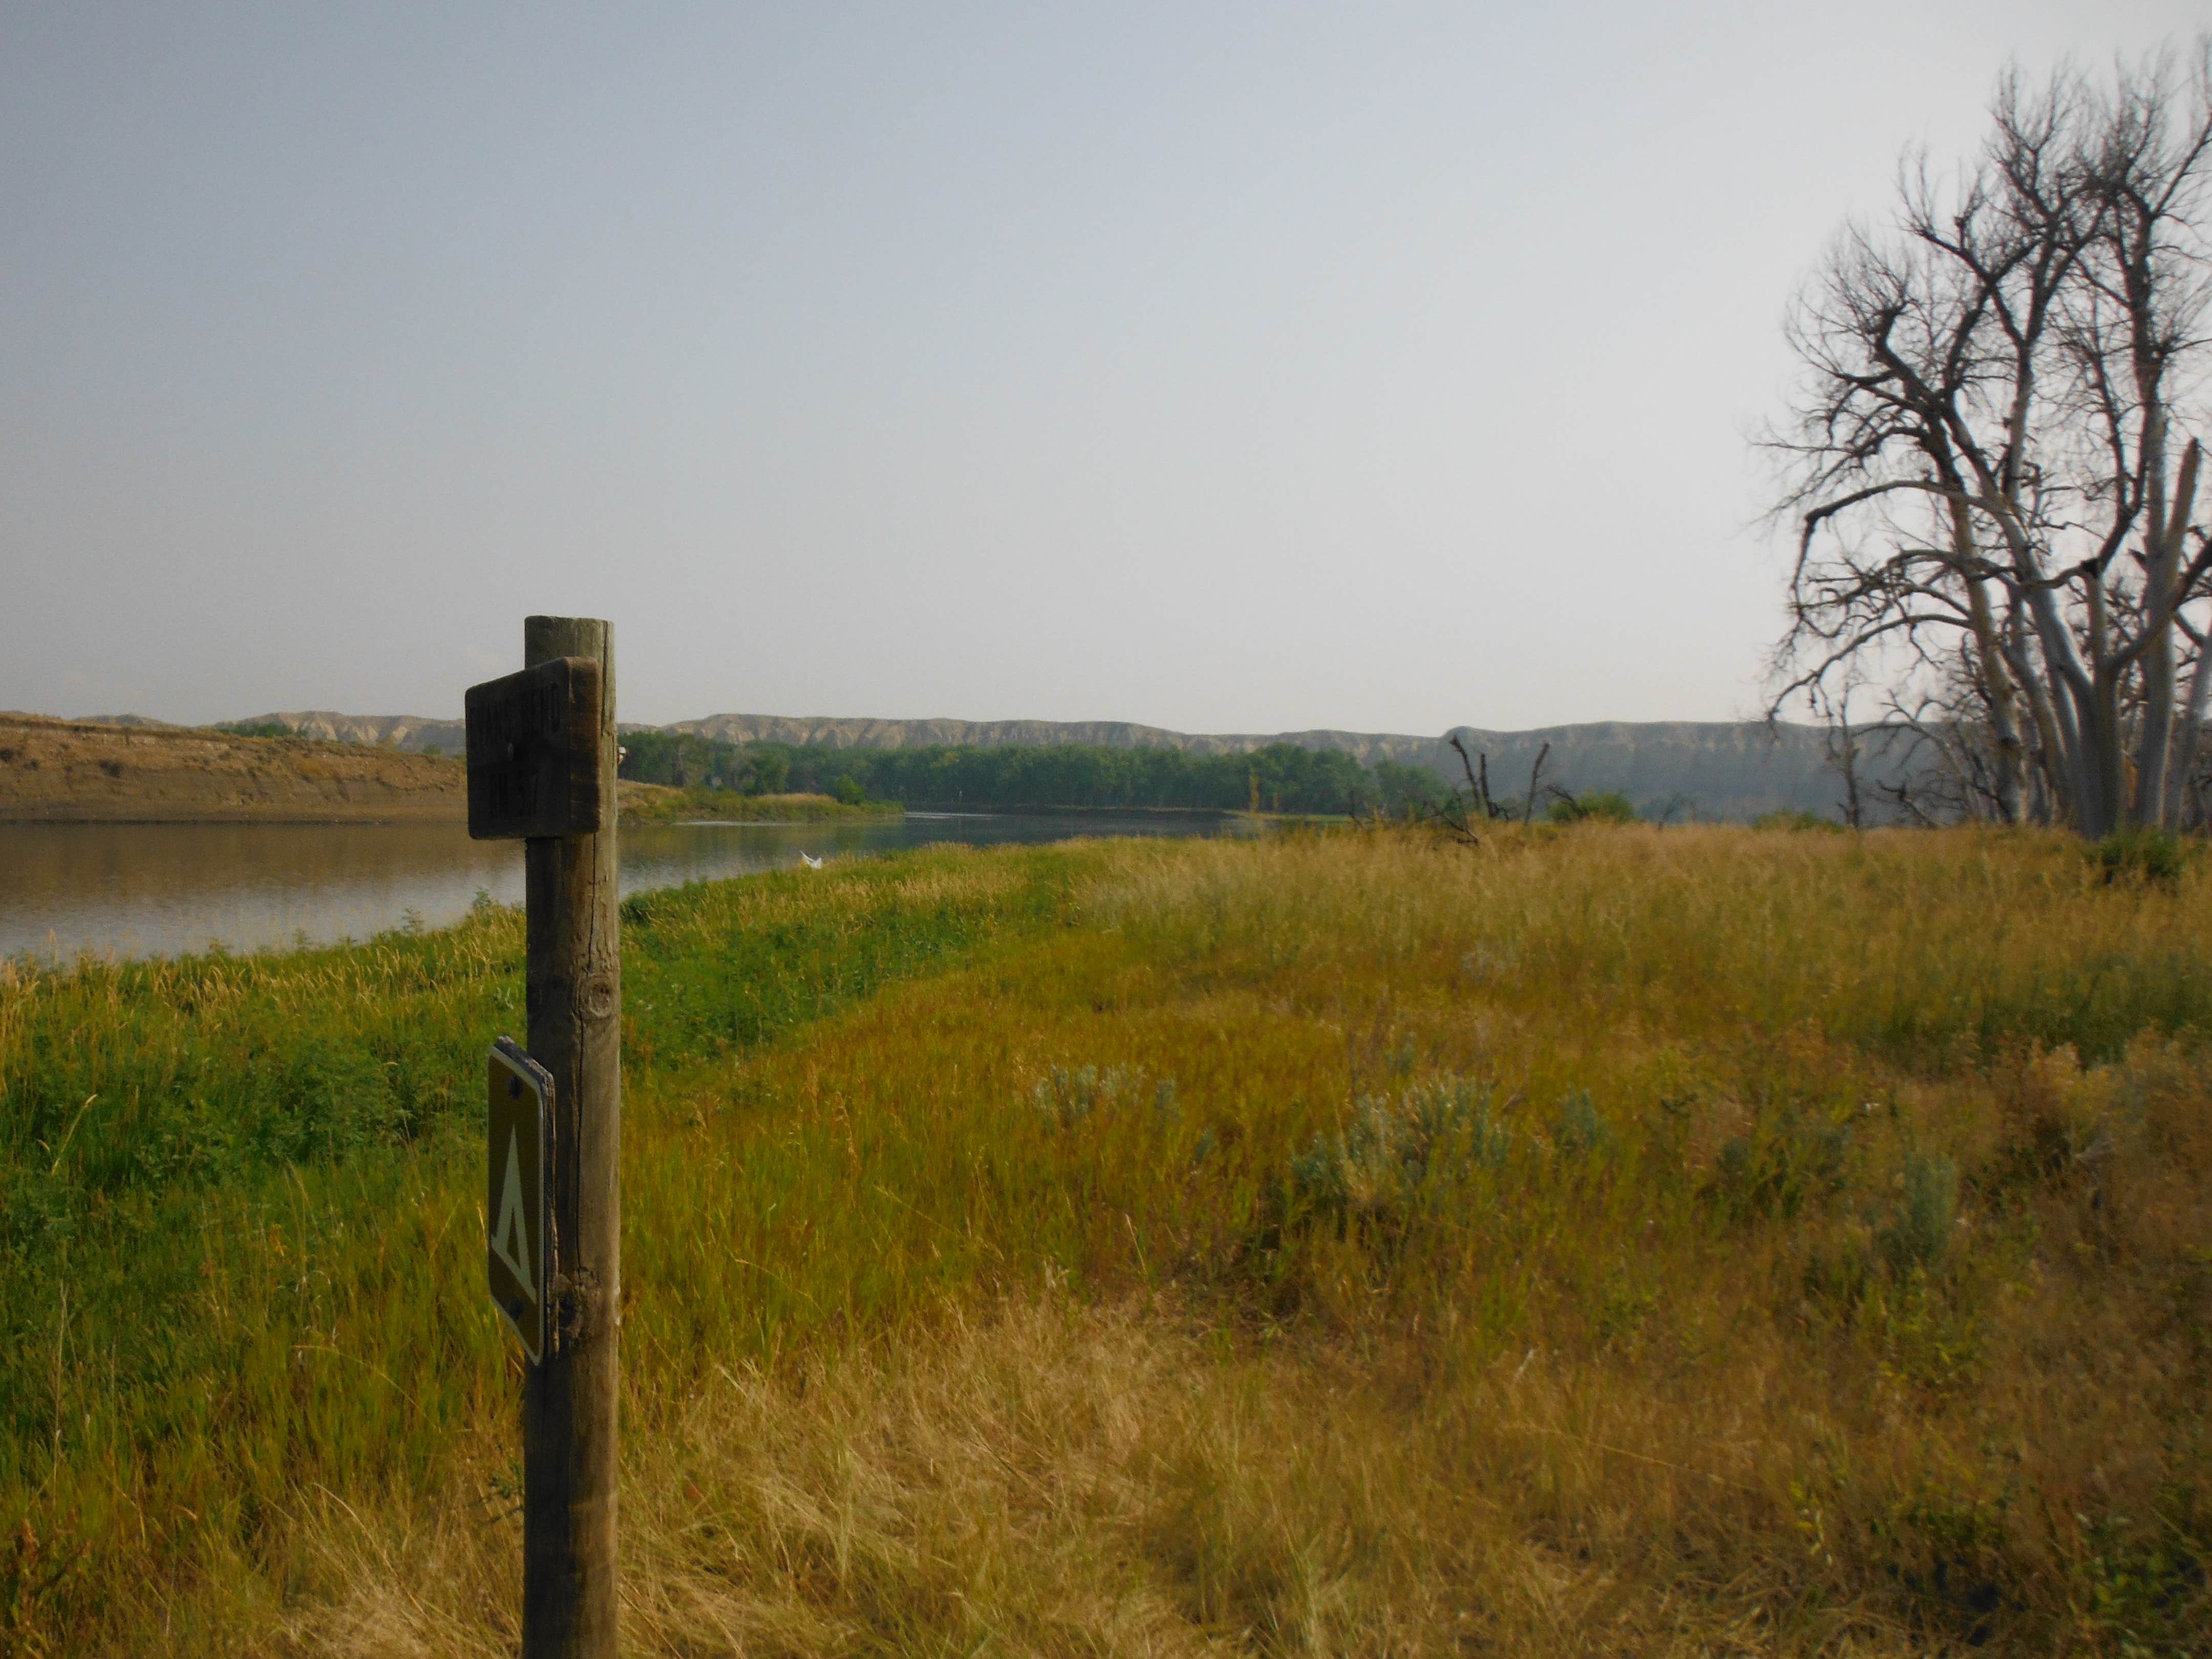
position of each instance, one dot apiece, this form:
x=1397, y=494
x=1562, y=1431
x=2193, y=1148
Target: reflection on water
x=134, y=890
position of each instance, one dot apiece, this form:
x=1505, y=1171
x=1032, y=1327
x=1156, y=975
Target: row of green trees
x=1279, y=778
x=694, y=762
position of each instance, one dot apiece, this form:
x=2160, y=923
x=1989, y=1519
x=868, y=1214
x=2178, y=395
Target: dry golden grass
x=1613, y=1241
x=1053, y=1479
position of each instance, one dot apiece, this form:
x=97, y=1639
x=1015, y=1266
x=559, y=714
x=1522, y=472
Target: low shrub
x=2140, y=855
x=1918, y=1231
x=1384, y=1162
x=1796, y=819
x=1604, y=806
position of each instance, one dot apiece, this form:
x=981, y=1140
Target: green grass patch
x=237, y=1244
x=1802, y=1232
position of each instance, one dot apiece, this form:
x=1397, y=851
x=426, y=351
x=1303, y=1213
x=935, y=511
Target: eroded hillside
x=56, y=771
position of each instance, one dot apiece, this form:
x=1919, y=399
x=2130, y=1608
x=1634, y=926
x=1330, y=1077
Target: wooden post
x=569, y=1401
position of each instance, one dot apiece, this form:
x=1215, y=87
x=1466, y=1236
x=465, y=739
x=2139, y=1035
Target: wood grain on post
x=569, y=1463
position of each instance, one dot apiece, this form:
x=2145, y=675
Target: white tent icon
x=510, y=1239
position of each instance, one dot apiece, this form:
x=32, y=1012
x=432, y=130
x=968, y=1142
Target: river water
x=139, y=890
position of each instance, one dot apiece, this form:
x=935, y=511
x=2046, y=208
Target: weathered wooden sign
x=518, y=1234
x=542, y=764
x=534, y=753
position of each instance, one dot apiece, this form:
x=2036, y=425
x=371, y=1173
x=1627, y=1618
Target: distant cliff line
x=418, y=732
x=1717, y=769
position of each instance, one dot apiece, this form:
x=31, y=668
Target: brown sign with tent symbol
x=518, y=1239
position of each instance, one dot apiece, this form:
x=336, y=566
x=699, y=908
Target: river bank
x=658, y=803
x=1165, y=814
x=55, y=771
x=124, y=891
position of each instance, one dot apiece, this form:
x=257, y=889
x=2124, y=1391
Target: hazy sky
x=1231, y=369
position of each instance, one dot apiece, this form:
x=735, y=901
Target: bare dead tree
x=1989, y=467
x=2194, y=710
x=1535, y=772
x=1843, y=754
x=1457, y=816
x=1475, y=789
x=1478, y=777
x=1460, y=813
x=1946, y=759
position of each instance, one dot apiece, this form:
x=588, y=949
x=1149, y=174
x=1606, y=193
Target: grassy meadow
x=1608, y=1240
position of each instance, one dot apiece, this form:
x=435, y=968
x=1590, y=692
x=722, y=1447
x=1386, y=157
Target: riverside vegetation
x=1608, y=1239
x=1277, y=778
x=651, y=804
